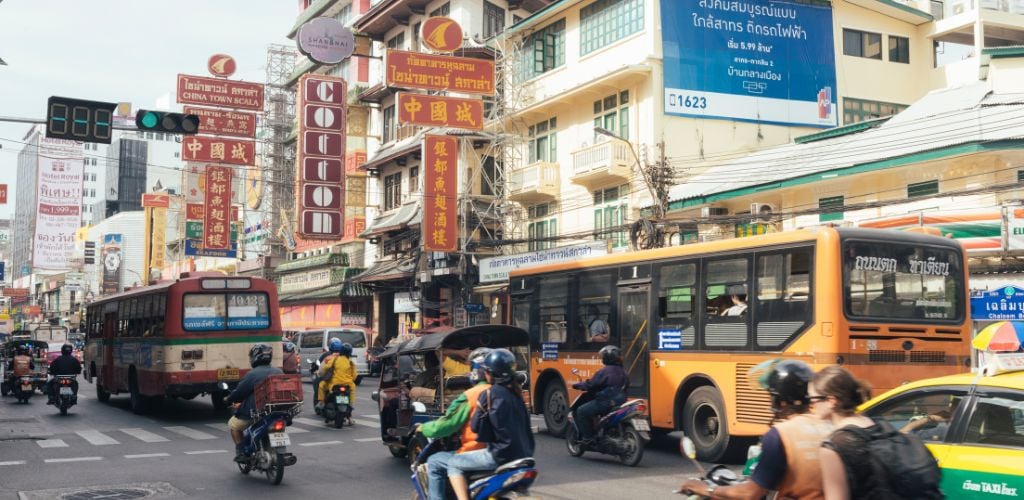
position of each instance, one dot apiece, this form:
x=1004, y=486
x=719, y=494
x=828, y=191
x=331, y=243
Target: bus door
x=633, y=307
x=107, y=350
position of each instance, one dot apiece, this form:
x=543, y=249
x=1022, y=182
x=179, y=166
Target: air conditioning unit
x=713, y=211
x=761, y=212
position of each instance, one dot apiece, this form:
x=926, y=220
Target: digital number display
x=79, y=120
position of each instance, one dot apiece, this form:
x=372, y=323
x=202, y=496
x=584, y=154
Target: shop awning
x=489, y=288
x=387, y=270
x=977, y=231
x=342, y=290
x=405, y=216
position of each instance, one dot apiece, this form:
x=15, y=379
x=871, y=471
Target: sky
x=121, y=51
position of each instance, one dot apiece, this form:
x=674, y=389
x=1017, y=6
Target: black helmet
x=260, y=354
x=787, y=380
x=501, y=364
x=611, y=355
x=346, y=349
x=66, y=349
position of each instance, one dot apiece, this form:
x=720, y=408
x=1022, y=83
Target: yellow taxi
x=972, y=423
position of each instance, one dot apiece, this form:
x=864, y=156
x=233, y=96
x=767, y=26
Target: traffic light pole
x=34, y=121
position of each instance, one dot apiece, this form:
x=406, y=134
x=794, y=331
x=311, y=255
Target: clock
x=112, y=262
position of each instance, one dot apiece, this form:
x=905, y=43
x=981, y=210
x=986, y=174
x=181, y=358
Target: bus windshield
x=902, y=282
x=226, y=311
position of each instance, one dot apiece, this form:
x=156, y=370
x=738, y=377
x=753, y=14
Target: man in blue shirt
x=609, y=388
x=242, y=398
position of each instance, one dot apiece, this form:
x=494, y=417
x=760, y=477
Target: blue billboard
x=754, y=60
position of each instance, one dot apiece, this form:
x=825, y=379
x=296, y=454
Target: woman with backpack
x=864, y=458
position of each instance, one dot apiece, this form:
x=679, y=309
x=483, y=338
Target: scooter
x=719, y=475
x=265, y=442
x=509, y=481
x=65, y=397
x=624, y=431
x=337, y=406
x=23, y=388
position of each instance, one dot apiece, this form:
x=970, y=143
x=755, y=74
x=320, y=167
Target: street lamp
x=141, y=281
x=647, y=180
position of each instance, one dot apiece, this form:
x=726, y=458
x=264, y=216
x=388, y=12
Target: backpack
x=908, y=469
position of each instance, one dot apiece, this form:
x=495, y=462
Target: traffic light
x=168, y=123
x=79, y=120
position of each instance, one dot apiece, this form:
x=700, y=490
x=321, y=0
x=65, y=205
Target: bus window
x=726, y=306
x=783, y=296
x=247, y=311
x=203, y=311
x=676, y=299
x=554, y=309
x=594, y=313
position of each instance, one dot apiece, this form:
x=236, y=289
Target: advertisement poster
x=754, y=60
x=59, y=205
x=111, y=264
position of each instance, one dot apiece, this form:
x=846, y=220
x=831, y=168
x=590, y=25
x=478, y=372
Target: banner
x=217, y=227
x=59, y=205
x=440, y=218
x=496, y=269
x=756, y=60
x=111, y=264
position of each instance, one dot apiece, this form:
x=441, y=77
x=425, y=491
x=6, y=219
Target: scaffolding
x=278, y=157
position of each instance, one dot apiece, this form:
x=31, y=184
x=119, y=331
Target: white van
x=312, y=343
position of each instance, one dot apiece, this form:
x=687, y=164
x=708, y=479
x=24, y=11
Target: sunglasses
x=815, y=399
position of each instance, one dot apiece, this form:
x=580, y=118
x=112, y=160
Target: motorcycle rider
x=65, y=364
x=291, y=358
x=456, y=420
x=342, y=370
x=242, y=399
x=783, y=466
x=20, y=365
x=608, y=386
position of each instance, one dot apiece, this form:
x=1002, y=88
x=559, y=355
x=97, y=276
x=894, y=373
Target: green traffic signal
x=149, y=119
x=168, y=123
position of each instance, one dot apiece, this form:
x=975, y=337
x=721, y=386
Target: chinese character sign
x=440, y=111
x=59, y=203
x=440, y=163
x=219, y=150
x=413, y=70
x=216, y=224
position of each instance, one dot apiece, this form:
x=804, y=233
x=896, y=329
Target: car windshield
x=354, y=337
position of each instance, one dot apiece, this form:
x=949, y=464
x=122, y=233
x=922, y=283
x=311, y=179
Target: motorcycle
x=509, y=481
x=624, y=431
x=337, y=406
x=265, y=442
x=719, y=475
x=23, y=388
x=65, y=397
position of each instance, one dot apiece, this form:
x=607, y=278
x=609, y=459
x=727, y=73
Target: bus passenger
x=598, y=329
x=738, y=307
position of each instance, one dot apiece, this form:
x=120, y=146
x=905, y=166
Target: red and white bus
x=179, y=339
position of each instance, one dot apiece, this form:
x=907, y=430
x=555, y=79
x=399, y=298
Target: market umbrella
x=1001, y=336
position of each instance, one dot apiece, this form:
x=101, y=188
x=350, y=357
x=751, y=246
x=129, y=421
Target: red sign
x=216, y=149
x=440, y=111
x=217, y=92
x=30, y=310
x=216, y=225
x=221, y=65
x=15, y=292
x=321, y=135
x=353, y=160
x=224, y=122
x=196, y=211
x=440, y=159
x=3, y=194
x=155, y=200
x=414, y=70
x=441, y=34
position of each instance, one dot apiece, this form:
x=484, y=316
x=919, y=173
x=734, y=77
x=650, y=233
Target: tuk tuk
x=38, y=350
x=415, y=388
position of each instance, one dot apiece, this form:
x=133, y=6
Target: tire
x=415, y=446
x=706, y=423
x=359, y=379
x=137, y=401
x=275, y=473
x=634, y=444
x=397, y=451
x=63, y=410
x=556, y=409
x=4, y=391
x=339, y=420
x=572, y=442
x=101, y=395
x=245, y=469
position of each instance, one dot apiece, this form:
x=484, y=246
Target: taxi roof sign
x=1003, y=362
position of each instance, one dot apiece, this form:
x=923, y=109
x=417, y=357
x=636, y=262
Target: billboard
x=321, y=183
x=414, y=70
x=224, y=122
x=111, y=264
x=755, y=60
x=440, y=111
x=59, y=205
x=218, y=150
x=221, y=93
x=440, y=224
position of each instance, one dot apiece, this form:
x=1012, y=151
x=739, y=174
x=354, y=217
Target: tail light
x=343, y=389
x=641, y=408
x=65, y=381
x=277, y=426
x=528, y=474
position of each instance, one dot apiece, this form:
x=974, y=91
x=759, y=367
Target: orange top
x=801, y=437
x=468, y=437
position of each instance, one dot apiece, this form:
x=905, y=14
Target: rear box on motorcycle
x=278, y=390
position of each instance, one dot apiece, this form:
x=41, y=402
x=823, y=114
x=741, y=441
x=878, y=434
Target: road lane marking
x=148, y=455
x=75, y=459
x=205, y=452
x=52, y=443
x=320, y=443
x=13, y=462
x=308, y=421
x=366, y=440
x=367, y=423
x=189, y=433
x=144, y=435
x=375, y=417
x=97, y=438
x=290, y=430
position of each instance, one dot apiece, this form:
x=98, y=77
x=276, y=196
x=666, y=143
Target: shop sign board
x=415, y=70
x=224, y=122
x=440, y=223
x=206, y=91
x=440, y=111
x=216, y=219
x=200, y=148
x=322, y=102
x=497, y=269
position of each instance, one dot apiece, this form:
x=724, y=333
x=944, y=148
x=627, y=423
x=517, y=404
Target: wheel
x=244, y=468
x=359, y=379
x=219, y=403
x=339, y=420
x=4, y=391
x=137, y=401
x=634, y=446
x=102, y=395
x=556, y=409
x=572, y=442
x=415, y=447
x=275, y=470
x=705, y=422
x=397, y=451
x=63, y=410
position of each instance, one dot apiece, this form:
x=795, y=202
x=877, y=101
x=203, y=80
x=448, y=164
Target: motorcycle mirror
x=375, y=395
x=222, y=386
x=419, y=407
x=689, y=450
x=723, y=476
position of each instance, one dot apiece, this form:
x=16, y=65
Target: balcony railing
x=600, y=163
x=536, y=182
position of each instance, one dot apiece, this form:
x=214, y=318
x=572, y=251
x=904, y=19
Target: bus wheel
x=556, y=409
x=137, y=401
x=102, y=395
x=705, y=422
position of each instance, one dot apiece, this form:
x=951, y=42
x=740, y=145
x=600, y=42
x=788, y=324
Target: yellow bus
x=692, y=320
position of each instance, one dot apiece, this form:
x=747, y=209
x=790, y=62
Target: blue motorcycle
x=266, y=445
x=509, y=481
x=622, y=432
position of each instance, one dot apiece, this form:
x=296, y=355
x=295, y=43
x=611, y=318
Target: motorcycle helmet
x=334, y=345
x=289, y=347
x=786, y=380
x=501, y=364
x=346, y=349
x=476, y=363
x=611, y=355
x=260, y=354
x=66, y=349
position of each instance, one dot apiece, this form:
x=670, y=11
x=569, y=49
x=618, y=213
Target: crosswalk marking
x=366, y=440
x=148, y=455
x=189, y=433
x=75, y=459
x=320, y=443
x=97, y=438
x=144, y=435
x=375, y=417
x=367, y=423
x=52, y=443
x=204, y=452
x=308, y=421
x=13, y=462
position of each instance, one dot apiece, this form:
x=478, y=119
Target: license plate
x=65, y=391
x=227, y=373
x=26, y=387
x=641, y=424
x=279, y=439
x=341, y=400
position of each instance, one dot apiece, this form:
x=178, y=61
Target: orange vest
x=468, y=437
x=801, y=437
x=21, y=366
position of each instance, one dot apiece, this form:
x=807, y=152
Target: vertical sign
x=321, y=151
x=440, y=159
x=216, y=226
x=59, y=208
x=154, y=207
x=3, y=194
x=111, y=264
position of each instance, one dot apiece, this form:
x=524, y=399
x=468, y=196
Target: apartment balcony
x=602, y=164
x=537, y=182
